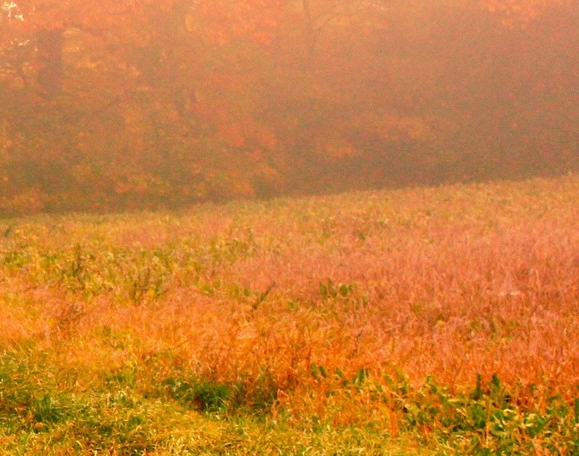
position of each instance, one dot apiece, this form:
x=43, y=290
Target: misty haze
x=141, y=105
x=289, y=227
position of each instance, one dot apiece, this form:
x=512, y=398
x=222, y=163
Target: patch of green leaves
x=489, y=420
x=203, y=396
x=333, y=290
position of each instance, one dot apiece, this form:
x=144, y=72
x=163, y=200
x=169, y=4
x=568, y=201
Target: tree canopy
x=146, y=103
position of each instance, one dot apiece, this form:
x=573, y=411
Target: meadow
x=417, y=321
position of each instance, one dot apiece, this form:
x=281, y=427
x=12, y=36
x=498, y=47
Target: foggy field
x=170, y=285
x=442, y=319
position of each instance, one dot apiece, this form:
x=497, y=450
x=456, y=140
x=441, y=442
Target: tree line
x=122, y=104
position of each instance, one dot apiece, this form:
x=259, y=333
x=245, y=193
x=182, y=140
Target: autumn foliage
x=127, y=104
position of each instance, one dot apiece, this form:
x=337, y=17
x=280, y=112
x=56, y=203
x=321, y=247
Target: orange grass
x=294, y=296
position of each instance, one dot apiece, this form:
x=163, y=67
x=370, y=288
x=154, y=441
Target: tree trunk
x=49, y=54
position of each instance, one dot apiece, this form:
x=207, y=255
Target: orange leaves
x=400, y=128
x=518, y=13
x=255, y=155
x=338, y=151
x=233, y=134
x=224, y=22
x=15, y=26
x=248, y=132
x=100, y=17
x=252, y=90
x=267, y=139
x=263, y=37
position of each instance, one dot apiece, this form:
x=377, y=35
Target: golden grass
x=300, y=297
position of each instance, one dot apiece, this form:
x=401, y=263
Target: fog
x=114, y=105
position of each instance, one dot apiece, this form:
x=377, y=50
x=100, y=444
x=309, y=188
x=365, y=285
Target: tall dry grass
x=293, y=301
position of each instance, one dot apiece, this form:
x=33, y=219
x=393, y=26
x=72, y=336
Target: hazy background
x=122, y=105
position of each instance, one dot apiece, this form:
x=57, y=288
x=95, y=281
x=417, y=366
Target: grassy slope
x=365, y=323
